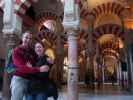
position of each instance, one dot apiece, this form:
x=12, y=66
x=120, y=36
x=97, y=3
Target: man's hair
x=26, y=32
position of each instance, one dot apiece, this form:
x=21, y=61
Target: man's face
x=26, y=39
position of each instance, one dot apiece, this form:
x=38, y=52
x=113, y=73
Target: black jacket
x=39, y=81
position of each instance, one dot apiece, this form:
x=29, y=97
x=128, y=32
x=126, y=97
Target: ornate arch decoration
x=110, y=47
x=48, y=35
x=84, y=12
x=44, y=32
x=110, y=18
x=44, y=16
x=115, y=29
x=21, y=6
x=110, y=7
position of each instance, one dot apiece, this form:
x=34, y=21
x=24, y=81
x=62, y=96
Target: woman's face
x=39, y=49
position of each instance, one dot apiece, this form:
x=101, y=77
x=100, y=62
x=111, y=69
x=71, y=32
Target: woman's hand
x=51, y=61
x=44, y=68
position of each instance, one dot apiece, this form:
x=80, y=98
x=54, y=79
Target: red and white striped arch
x=22, y=5
x=108, y=28
x=110, y=7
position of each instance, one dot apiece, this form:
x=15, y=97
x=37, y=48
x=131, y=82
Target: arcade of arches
x=91, y=41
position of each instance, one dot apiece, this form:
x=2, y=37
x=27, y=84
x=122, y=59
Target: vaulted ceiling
x=43, y=10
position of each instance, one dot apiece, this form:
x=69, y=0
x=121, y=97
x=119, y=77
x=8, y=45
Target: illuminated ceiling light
x=121, y=44
x=66, y=61
x=129, y=23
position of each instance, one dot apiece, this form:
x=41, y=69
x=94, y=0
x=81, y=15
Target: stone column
x=118, y=68
x=130, y=67
x=71, y=24
x=11, y=30
x=120, y=73
x=99, y=66
x=128, y=59
x=90, y=50
x=10, y=43
x=59, y=60
x=73, y=66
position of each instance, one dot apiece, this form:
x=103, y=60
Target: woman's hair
x=40, y=43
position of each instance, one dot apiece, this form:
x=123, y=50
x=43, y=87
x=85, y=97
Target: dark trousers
x=50, y=91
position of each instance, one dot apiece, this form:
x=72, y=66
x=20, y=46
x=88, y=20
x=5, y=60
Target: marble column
x=11, y=31
x=73, y=67
x=71, y=24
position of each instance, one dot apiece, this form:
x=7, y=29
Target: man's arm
x=20, y=64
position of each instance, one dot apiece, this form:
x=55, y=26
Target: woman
x=40, y=87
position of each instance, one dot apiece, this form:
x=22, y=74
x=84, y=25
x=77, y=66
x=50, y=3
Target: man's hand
x=51, y=61
x=44, y=68
x=28, y=64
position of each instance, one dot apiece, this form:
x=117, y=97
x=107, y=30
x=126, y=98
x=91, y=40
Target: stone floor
x=98, y=97
x=104, y=93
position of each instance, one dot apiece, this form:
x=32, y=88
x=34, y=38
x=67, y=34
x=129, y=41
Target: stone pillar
x=128, y=59
x=118, y=68
x=11, y=30
x=99, y=66
x=130, y=67
x=59, y=60
x=90, y=50
x=120, y=73
x=10, y=43
x=73, y=67
x=71, y=24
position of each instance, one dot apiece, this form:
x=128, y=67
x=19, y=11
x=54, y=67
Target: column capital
x=14, y=26
x=71, y=19
x=72, y=32
x=71, y=26
x=12, y=23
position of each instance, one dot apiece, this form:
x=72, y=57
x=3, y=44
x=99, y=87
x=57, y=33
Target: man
x=23, y=59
